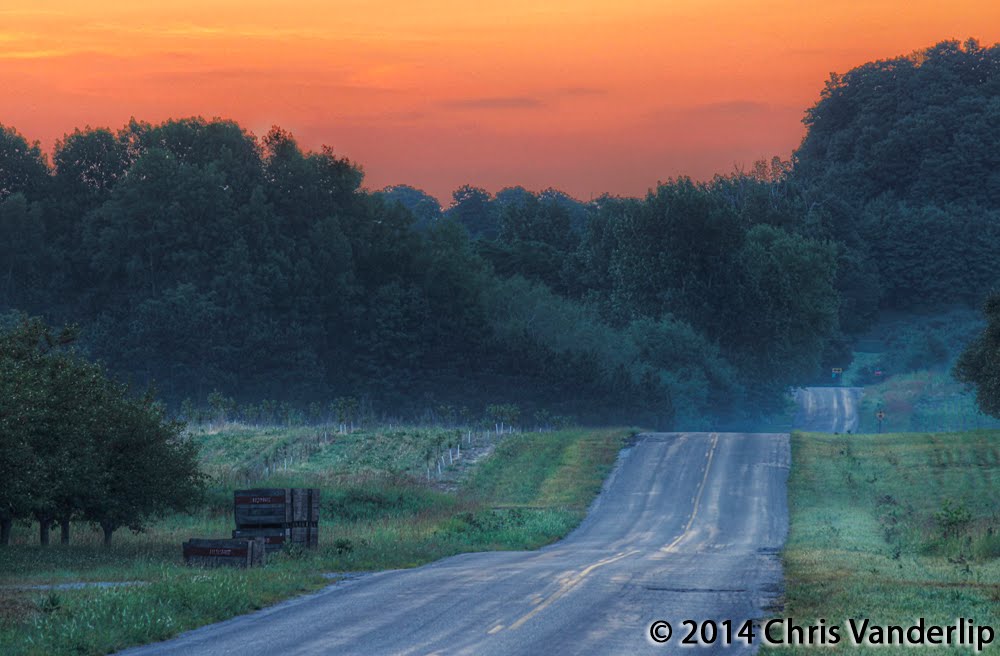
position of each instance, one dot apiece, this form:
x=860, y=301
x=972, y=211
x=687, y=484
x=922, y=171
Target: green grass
x=893, y=528
x=241, y=455
x=564, y=469
x=925, y=401
x=378, y=512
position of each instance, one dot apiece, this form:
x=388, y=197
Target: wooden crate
x=275, y=537
x=276, y=506
x=262, y=507
x=272, y=510
x=305, y=533
x=244, y=552
x=305, y=505
x=305, y=517
x=295, y=510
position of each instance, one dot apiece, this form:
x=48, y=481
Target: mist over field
x=199, y=315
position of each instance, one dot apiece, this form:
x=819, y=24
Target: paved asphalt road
x=828, y=409
x=687, y=527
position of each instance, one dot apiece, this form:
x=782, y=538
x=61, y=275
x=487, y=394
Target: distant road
x=828, y=409
x=688, y=527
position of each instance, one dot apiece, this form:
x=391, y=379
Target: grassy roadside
x=893, y=528
x=922, y=402
x=531, y=491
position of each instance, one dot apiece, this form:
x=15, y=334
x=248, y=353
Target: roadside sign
x=880, y=415
x=878, y=372
x=838, y=370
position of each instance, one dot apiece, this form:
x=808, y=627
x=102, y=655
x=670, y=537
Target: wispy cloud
x=12, y=37
x=29, y=13
x=738, y=108
x=496, y=102
x=827, y=53
x=580, y=92
x=733, y=107
x=206, y=31
x=34, y=54
x=251, y=78
x=548, y=99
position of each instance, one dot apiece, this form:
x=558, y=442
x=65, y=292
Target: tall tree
x=979, y=365
x=146, y=468
x=78, y=445
x=23, y=168
x=22, y=251
x=425, y=208
x=471, y=207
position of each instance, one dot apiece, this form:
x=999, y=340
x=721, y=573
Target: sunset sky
x=589, y=96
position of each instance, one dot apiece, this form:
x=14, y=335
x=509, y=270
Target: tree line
x=202, y=259
x=198, y=256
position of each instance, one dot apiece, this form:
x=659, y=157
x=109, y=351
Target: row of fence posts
x=306, y=448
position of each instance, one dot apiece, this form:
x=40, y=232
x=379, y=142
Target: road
x=828, y=409
x=688, y=527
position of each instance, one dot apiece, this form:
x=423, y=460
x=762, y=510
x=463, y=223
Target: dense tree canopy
x=202, y=258
x=979, y=365
x=901, y=162
x=199, y=256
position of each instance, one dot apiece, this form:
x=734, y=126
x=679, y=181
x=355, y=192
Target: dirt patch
x=17, y=606
x=453, y=475
x=473, y=452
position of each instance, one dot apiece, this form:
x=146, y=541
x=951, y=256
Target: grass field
x=924, y=401
x=379, y=511
x=893, y=528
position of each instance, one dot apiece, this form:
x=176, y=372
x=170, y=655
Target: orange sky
x=588, y=96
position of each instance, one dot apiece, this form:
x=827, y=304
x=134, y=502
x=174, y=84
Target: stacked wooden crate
x=225, y=553
x=278, y=515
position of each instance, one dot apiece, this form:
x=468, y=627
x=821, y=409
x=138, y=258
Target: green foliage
x=79, y=445
x=701, y=382
x=766, y=296
x=471, y=208
x=787, y=307
x=916, y=127
x=979, y=365
x=505, y=413
x=146, y=467
x=913, y=343
x=900, y=162
x=21, y=240
x=222, y=406
x=23, y=168
x=425, y=208
x=952, y=519
x=570, y=359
